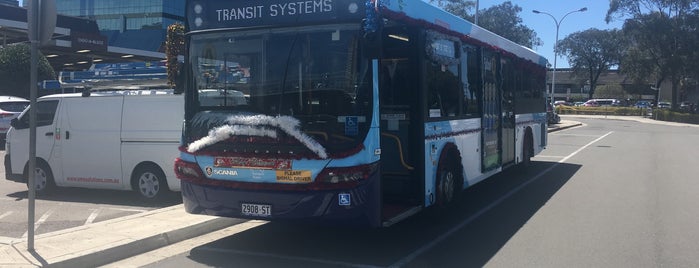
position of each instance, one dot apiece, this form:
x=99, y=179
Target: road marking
x=93, y=216
x=407, y=259
x=130, y=209
x=39, y=222
x=574, y=135
x=550, y=156
x=6, y=214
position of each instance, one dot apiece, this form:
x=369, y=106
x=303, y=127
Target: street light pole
x=555, y=45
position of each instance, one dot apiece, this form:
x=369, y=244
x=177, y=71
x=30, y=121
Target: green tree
x=592, y=52
x=503, y=20
x=174, y=46
x=662, y=36
x=15, y=64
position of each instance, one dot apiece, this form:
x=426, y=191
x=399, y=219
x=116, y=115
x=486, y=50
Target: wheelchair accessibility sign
x=344, y=199
x=351, y=126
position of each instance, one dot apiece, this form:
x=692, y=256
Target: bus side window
x=470, y=79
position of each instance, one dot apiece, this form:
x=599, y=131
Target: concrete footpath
x=112, y=240
x=109, y=241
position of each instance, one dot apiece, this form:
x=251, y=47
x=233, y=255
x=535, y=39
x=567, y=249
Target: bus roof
x=422, y=12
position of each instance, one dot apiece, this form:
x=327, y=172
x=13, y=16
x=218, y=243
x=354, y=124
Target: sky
x=545, y=27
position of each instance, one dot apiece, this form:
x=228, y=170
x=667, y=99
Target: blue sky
x=545, y=27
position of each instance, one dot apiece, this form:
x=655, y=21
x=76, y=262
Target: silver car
x=10, y=108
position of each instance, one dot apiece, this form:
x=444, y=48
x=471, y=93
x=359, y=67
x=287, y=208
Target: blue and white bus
x=360, y=112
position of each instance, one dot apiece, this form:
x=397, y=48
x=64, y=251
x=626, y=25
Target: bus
x=355, y=112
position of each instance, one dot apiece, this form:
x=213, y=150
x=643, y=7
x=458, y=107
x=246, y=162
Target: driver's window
x=44, y=114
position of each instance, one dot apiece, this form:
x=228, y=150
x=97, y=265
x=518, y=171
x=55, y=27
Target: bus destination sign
x=204, y=15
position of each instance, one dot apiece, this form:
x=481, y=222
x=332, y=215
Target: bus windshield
x=314, y=75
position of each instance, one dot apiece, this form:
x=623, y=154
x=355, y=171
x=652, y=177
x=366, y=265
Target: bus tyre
x=527, y=151
x=149, y=181
x=43, y=179
x=448, y=182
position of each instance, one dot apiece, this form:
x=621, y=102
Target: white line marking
x=39, y=222
x=6, y=214
x=130, y=209
x=573, y=135
x=550, y=156
x=431, y=244
x=93, y=216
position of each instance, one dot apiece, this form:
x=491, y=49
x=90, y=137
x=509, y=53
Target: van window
x=44, y=114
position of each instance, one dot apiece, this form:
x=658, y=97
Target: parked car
x=591, y=103
x=561, y=102
x=579, y=103
x=10, y=108
x=642, y=104
x=664, y=105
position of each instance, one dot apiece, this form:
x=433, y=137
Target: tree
x=15, y=64
x=662, y=39
x=460, y=8
x=502, y=20
x=592, y=52
x=174, y=46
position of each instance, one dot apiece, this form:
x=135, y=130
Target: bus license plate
x=256, y=210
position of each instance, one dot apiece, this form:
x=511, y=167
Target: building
x=571, y=87
x=132, y=24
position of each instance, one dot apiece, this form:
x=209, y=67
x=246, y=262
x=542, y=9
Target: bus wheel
x=43, y=178
x=149, y=181
x=527, y=147
x=448, y=182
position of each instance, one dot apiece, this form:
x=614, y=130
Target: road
x=68, y=207
x=608, y=194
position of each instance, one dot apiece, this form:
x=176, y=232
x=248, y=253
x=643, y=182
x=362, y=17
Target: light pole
x=555, y=45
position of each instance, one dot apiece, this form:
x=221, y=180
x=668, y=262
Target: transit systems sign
x=218, y=14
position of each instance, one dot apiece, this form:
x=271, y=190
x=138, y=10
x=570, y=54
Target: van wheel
x=43, y=179
x=150, y=182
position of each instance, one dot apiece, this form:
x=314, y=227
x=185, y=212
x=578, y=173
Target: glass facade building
x=136, y=24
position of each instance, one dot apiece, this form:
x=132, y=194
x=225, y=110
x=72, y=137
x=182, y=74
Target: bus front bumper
x=359, y=206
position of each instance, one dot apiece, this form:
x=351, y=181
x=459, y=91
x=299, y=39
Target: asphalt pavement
x=112, y=240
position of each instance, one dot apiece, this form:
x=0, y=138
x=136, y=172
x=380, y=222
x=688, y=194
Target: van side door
x=90, y=142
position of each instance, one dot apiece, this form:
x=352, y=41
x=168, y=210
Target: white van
x=119, y=140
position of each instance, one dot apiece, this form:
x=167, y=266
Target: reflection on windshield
x=315, y=75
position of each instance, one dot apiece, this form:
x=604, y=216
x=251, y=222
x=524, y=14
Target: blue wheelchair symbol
x=344, y=199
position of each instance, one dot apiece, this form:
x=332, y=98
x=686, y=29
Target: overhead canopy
x=77, y=41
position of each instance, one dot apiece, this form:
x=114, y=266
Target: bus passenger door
x=508, y=112
x=398, y=91
x=492, y=113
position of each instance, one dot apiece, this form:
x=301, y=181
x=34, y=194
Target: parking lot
x=66, y=208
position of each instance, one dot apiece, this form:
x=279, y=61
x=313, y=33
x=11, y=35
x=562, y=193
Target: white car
x=10, y=108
